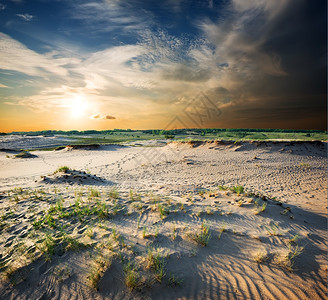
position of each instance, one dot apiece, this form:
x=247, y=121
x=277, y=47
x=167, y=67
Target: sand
x=150, y=220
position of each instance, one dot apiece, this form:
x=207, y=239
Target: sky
x=143, y=64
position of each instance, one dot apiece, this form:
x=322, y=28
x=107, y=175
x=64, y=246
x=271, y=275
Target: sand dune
x=215, y=220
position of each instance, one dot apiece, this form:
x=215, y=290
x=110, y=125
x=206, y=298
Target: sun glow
x=78, y=107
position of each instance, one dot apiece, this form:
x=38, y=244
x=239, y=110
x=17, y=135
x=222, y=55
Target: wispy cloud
x=4, y=86
x=25, y=17
x=235, y=61
x=110, y=15
x=2, y=6
x=17, y=57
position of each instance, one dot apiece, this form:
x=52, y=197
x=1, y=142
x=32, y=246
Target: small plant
x=202, y=237
x=223, y=188
x=222, y=229
x=193, y=252
x=131, y=195
x=294, y=239
x=138, y=221
x=163, y=211
x=156, y=263
x=209, y=211
x=47, y=246
x=115, y=235
x=144, y=232
x=260, y=257
x=101, y=264
x=174, y=280
x=131, y=276
x=238, y=189
x=89, y=232
x=305, y=165
x=288, y=260
x=62, y=169
x=94, y=193
x=258, y=208
x=272, y=230
x=24, y=154
x=114, y=194
x=174, y=235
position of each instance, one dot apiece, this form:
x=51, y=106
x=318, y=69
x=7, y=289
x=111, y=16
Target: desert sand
x=151, y=220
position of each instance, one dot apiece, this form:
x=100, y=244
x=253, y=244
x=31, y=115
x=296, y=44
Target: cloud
x=17, y=57
x=110, y=15
x=258, y=55
x=25, y=17
x=108, y=117
x=101, y=117
x=2, y=6
x=4, y=86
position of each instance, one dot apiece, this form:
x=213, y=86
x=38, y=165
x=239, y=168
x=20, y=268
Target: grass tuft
x=62, y=169
x=202, y=236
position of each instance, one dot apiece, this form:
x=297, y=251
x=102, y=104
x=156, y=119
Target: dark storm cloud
x=277, y=62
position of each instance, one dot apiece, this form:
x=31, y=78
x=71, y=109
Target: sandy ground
x=156, y=221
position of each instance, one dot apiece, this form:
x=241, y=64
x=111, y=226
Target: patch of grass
x=72, y=243
x=144, y=232
x=114, y=194
x=260, y=256
x=222, y=229
x=100, y=265
x=259, y=208
x=294, y=239
x=115, y=234
x=238, y=189
x=89, y=233
x=24, y=154
x=48, y=246
x=94, y=193
x=209, y=211
x=132, y=278
x=223, y=188
x=163, y=211
x=202, y=236
x=62, y=169
x=287, y=261
x=305, y=165
x=273, y=229
x=174, y=280
x=156, y=262
x=174, y=233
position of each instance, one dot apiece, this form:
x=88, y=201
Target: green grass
x=156, y=263
x=222, y=229
x=62, y=169
x=273, y=229
x=238, y=189
x=48, y=246
x=287, y=261
x=173, y=280
x=94, y=193
x=132, y=277
x=202, y=236
x=23, y=154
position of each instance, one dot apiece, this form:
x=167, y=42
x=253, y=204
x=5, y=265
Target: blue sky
x=102, y=64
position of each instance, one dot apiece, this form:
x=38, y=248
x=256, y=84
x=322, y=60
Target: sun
x=78, y=107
